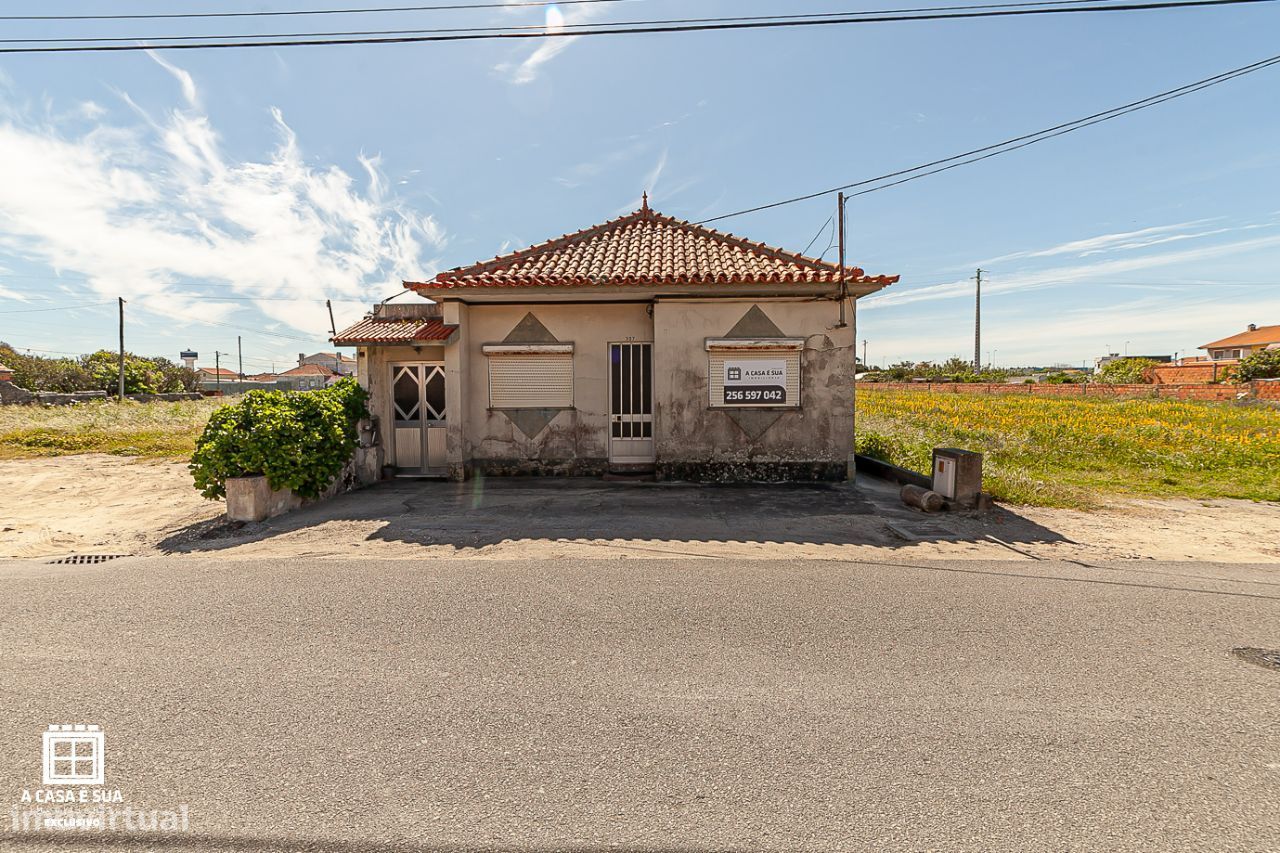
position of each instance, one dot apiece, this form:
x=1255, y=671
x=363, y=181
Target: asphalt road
x=650, y=705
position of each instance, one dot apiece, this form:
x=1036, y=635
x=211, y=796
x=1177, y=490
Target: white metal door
x=631, y=404
x=418, y=407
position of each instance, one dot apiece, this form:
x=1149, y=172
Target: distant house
x=334, y=362
x=1251, y=340
x=211, y=374
x=307, y=377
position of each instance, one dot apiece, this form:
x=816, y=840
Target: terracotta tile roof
x=372, y=330
x=215, y=371
x=647, y=248
x=1254, y=337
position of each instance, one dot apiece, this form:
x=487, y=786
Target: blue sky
x=231, y=192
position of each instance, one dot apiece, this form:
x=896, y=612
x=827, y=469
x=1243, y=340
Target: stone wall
x=12, y=394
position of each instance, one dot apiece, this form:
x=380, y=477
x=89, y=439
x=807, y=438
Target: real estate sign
x=755, y=382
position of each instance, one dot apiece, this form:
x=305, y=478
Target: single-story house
x=307, y=377
x=1253, y=339
x=212, y=374
x=335, y=362
x=644, y=344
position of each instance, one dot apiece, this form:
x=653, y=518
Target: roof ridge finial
x=644, y=201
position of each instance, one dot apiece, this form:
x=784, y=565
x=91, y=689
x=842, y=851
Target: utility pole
x=333, y=329
x=240, y=358
x=865, y=364
x=121, y=389
x=840, y=229
x=217, y=371
x=977, y=323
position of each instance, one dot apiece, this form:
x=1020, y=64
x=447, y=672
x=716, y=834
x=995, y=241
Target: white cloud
x=1105, y=242
x=184, y=79
x=137, y=209
x=526, y=71
x=1079, y=274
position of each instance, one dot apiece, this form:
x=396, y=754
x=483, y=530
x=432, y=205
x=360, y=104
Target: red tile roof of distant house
x=1259, y=336
x=372, y=330
x=217, y=371
x=648, y=248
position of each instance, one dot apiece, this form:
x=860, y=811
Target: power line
x=607, y=30
x=299, y=12
x=541, y=28
x=830, y=220
x=1016, y=142
x=60, y=308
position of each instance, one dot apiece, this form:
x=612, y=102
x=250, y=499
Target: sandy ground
x=105, y=504
x=94, y=504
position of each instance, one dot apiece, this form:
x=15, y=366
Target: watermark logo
x=73, y=795
x=74, y=755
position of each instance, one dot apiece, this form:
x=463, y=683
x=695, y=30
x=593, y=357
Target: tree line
x=98, y=371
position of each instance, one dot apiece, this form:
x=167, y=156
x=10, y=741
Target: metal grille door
x=418, y=405
x=631, y=403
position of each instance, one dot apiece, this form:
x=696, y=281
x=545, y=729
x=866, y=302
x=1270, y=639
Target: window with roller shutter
x=530, y=377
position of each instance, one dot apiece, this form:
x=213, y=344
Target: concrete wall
x=697, y=442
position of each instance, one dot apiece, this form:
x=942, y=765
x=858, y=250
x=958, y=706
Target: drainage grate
x=1261, y=657
x=85, y=559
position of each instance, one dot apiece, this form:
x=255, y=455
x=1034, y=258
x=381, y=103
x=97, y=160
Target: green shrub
x=297, y=440
x=1126, y=371
x=1264, y=364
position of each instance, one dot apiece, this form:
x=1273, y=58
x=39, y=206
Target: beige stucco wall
x=696, y=441
x=575, y=440
x=693, y=440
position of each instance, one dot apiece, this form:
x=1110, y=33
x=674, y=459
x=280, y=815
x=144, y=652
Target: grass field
x=1077, y=452
x=151, y=430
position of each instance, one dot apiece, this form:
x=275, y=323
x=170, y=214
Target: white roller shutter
x=531, y=381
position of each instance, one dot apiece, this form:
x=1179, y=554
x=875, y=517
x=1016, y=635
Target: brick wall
x=1189, y=374
x=1201, y=391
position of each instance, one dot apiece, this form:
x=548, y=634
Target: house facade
x=1253, y=339
x=644, y=344
x=307, y=377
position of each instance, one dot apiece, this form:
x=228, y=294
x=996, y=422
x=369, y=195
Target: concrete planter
x=253, y=499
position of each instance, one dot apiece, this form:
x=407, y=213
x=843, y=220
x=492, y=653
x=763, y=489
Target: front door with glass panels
x=631, y=404
x=418, y=408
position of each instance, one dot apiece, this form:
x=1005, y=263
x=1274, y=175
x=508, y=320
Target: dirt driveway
x=106, y=504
